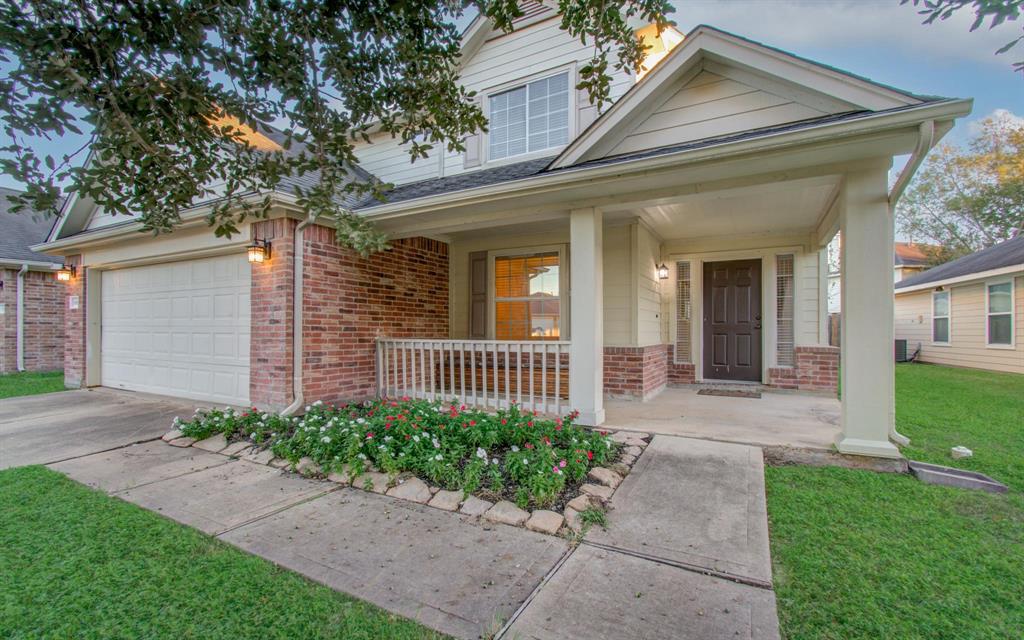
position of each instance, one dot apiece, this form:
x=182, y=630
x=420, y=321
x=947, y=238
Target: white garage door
x=179, y=329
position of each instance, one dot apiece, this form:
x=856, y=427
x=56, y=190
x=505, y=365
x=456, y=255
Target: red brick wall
x=680, y=373
x=9, y=320
x=817, y=369
x=272, y=306
x=74, y=327
x=639, y=372
x=349, y=301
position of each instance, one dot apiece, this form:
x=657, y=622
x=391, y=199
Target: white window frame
x=948, y=317
x=563, y=287
x=1012, y=313
x=569, y=69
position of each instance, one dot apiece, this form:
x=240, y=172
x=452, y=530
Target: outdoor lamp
x=662, y=272
x=65, y=273
x=258, y=251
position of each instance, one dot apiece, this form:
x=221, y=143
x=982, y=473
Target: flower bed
x=514, y=455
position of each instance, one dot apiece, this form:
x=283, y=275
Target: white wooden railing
x=487, y=374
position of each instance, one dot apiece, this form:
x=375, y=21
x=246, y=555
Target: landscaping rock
x=597, y=491
x=635, y=442
x=960, y=452
x=623, y=436
x=236, y=448
x=543, y=521
x=182, y=442
x=280, y=463
x=579, y=503
x=507, y=513
x=447, y=500
x=572, y=519
x=173, y=434
x=213, y=444
x=378, y=482
x=474, y=506
x=307, y=467
x=605, y=476
x=627, y=459
x=412, y=489
x=620, y=468
x=342, y=476
x=633, y=451
x=434, y=490
x=259, y=456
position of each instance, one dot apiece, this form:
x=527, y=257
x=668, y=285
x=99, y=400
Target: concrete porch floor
x=777, y=418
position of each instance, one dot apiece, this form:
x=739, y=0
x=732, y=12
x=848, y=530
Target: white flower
x=388, y=438
x=480, y=453
x=439, y=457
x=325, y=439
x=515, y=448
x=318, y=403
x=381, y=447
x=361, y=421
x=361, y=456
x=494, y=461
x=252, y=436
x=526, y=461
x=437, y=443
x=415, y=438
x=307, y=407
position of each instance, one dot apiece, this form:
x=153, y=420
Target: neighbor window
x=529, y=118
x=999, y=301
x=940, y=317
x=527, y=303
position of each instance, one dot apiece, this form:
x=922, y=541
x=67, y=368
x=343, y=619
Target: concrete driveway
x=57, y=426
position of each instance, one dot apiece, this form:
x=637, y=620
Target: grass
x=858, y=554
x=28, y=384
x=77, y=563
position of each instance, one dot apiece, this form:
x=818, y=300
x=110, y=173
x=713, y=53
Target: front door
x=732, y=320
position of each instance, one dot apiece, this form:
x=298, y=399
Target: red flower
x=504, y=422
x=546, y=441
x=369, y=436
x=530, y=423
x=472, y=423
x=590, y=455
x=529, y=445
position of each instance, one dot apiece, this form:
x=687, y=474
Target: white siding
x=967, y=346
x=807, y=313
x=712, y=105
x=648, y=287
x=390, y=161
x=618, y=286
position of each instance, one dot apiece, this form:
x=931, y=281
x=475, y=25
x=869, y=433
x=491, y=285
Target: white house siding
x=618, y=285
x=506, y=58
x=967, y=346
x=711, y=105
x=648, y=287
x=807, y=286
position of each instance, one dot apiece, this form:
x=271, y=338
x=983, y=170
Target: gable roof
x=825, y=89
x=1004, y=255
x=911, y=254
x=19, y=231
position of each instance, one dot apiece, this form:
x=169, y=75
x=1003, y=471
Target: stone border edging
x=596, y=493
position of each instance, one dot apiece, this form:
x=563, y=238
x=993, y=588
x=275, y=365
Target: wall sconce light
x=258, y=251
x=65, y=273
x=662, y=272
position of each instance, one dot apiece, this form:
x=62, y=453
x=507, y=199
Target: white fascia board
x=1016, y=269
x=33, y=265
x=820, y=133
x=115, y=232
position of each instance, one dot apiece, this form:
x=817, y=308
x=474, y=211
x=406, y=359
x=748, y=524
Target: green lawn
x=858, y=554
x=28, y=384
x=78, y=564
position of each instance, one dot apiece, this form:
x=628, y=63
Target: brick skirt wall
x=43, y=324
x=817, y=369
x=636, y=372
x=682, y=373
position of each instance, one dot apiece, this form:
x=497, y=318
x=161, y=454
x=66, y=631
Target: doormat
x=729, y=393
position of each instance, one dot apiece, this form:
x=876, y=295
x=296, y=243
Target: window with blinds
x=784, y=345
x=529, y=118
x=684, y=312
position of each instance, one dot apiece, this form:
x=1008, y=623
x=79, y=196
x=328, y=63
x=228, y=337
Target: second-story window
x=529, y=118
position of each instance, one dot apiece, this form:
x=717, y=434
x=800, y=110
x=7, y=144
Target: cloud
x=871, y=24
x=974, y=126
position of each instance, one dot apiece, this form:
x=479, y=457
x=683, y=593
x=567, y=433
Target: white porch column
x=586, y=316
x=866, y=359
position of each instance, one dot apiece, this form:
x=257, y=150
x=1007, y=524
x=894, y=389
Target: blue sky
x=879, y=39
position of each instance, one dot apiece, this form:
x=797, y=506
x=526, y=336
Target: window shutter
x=478, y=294
x=471, y=156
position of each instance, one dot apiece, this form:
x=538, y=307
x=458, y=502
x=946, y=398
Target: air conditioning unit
x=901, y=350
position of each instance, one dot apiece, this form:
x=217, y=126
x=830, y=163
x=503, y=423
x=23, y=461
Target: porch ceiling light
x=662, y=272
x=258, y=251
x=65, y=273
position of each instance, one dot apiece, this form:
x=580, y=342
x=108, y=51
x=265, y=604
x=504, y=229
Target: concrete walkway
x=685, y=554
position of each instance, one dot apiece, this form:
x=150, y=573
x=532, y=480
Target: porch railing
x=486, y=374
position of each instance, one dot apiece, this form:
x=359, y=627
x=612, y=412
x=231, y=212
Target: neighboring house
x=31, y=299
x=529, y=268
x=909, y=258
x=968, y=312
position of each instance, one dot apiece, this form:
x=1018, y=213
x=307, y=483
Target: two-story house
x=568, y=254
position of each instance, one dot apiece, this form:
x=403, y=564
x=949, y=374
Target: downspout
x=21, y=317
x=925, y=141
x=297, y=298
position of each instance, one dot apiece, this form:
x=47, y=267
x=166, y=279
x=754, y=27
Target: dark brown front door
x=732, y=320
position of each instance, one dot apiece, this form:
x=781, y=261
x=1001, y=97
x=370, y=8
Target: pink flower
x=369, y=436
x=472, y=423
x=561, y=463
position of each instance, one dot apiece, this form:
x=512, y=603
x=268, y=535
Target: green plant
x=594, y=515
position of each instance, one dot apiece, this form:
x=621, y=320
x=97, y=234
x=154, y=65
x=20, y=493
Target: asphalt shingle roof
x=19, y=231
x=1004, y=254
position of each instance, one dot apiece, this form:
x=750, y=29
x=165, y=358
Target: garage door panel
x=179, y=329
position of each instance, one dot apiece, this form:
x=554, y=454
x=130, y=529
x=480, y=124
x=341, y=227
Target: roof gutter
x=925, y=142
x=21, y=317
x=559, y=179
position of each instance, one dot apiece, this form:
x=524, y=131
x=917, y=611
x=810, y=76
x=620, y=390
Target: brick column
x=270, y=354
x=636, y=372
x=74, y=325
x=44, y=322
